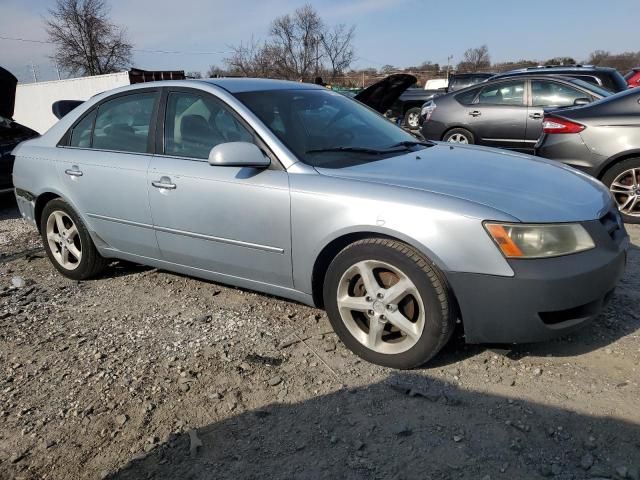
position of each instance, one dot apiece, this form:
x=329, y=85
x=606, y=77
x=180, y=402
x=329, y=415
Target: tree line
x=299, y=46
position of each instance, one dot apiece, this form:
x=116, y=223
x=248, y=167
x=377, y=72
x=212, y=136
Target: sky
x=396, y=32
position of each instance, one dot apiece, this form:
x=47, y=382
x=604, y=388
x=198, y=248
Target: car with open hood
x=11, y=132
x=297, y=191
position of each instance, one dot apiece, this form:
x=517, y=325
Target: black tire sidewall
x=461, y=131
x=436, y=325
x=616, y=170
x=85, y=269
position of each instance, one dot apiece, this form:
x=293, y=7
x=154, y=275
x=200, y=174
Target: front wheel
x=388, y=303
x=623, y=181
x=68, y=243
x=412, y=118
x=459, y=135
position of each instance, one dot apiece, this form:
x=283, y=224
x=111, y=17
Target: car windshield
x=326, y=129
x=603, y=92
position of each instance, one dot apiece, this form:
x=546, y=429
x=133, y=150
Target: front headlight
x=539, y=241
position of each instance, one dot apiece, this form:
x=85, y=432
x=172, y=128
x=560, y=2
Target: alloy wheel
x=458, y=138
x=64, y=240
x=626, y=191
x=381, y=307
x=413, y=120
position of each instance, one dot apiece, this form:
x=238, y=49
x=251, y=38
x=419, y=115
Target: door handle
x=475, y=113
x=163, y=184
x=535, y=116
x=73, y=172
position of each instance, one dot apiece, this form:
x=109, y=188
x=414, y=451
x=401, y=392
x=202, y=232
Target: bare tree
x=251, y=60
x=475, y=59
x=215, y=72
x=620, y=61
x=86, y=41
x=194, y=74
x=561, y=61
x=338, y=48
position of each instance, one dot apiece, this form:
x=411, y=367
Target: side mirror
x=238, y=154
x=581, y=101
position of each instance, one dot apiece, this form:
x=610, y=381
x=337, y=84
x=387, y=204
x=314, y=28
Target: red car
x=633, y=77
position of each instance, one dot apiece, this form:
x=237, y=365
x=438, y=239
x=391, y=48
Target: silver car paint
x=264, y=230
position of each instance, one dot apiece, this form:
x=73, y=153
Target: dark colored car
x=464, y=80
x=633, y=78
x=505, y=113
x=605, y=77
x=11, y=133
x=603, y=140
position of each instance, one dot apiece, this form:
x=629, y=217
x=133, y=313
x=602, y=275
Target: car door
x=103, y=167
x=233, y=221
x=498, y=117
x=548, y=95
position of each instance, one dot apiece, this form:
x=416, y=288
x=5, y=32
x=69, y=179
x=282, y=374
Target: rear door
x=548, y=95
x=499, y=115
x=103, y=166
x=234, y=221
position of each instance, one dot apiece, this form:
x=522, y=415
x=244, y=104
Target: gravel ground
x=148, y=374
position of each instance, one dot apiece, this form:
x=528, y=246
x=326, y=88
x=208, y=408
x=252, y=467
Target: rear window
x=466, y=98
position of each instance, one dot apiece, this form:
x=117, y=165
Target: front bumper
x=546, y=298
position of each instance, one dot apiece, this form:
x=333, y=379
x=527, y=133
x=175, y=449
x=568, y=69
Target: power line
x=142, y=50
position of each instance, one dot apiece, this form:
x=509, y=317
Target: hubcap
x=457, y=138
x=626, y=190
x=381, y=307
x=64, y=240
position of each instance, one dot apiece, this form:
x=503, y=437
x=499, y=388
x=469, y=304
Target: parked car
x=297, y=191
x=633, y=78
x=604, y=77
x=459, y=81
x=505, y=113
x=603, y=140
x=11, y=132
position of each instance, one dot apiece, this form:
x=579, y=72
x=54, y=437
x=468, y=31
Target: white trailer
x=34, y=100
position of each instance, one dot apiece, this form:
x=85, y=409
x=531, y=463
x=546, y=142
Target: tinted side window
x=511, y=93
x=81, y=133
x=552, y=94
x=194, y=124
x=467, y=98
x=123, y=123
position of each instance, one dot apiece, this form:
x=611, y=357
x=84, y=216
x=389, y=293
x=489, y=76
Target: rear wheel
x=68, y=243
x=388, y=304
x=623, y=181
x=459, y=135
x=412, y=118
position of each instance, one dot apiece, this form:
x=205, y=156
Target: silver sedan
x=296, y=191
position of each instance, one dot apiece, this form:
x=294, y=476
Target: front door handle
x=535, y=116
x=165, y=183
x=475, y=113
x=73, y=172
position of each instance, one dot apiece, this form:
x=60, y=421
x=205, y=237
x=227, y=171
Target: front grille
x=612, y=222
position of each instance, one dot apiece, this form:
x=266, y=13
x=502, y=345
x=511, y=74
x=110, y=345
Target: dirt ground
x=148, y=374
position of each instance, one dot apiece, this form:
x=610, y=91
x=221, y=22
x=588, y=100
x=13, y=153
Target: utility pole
x=449, y=58
x=33, y=70
x=57, y=70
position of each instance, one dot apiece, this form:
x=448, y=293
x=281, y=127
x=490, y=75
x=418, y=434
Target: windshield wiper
x=372, y=151
x=411, y=143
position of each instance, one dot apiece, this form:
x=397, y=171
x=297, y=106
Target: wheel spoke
x=398, y=291
x=359, y=304
x=402, y=323
x=630, y=199
x=368, y=279
x=73, y=250
x=59, y=222
x=376, y=329
x=64, y=254
x=54, y=237
x=72, y=232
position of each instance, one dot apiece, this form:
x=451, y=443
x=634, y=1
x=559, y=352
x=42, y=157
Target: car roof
x=239, y=85
x=557, y=68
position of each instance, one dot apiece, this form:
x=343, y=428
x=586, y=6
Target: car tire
x=68, y=243
x=459, y=135
x=412, y=118
x=425, y=315
x=619, y=179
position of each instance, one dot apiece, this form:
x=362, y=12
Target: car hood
x=7, y=93
x=525, y=187
x=381, y=95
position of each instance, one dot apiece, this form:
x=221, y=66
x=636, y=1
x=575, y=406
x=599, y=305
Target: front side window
x=122, y=124
x=326, y=129
x=194, y=124
x=510, y=93
x=552, y=94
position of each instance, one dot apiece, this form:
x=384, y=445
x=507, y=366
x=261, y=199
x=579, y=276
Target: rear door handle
x=535, y=116
x=165, y=183
x=475, y=113
x=73, y=172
